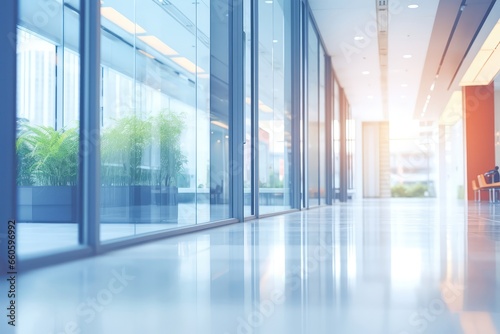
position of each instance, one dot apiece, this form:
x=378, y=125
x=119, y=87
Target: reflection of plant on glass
x=123, y=145
x=47, y=157
x=273, y=181
x=169, y=127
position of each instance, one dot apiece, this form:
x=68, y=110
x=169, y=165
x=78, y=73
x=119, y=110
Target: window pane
x=47, y=123
x=165, y=130
x=336, y=139
x=322, y=130
x=274, y=106
x=248, y=149
x=313, y=117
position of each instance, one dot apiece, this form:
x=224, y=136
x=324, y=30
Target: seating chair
x=491, y=187
x=477, y=191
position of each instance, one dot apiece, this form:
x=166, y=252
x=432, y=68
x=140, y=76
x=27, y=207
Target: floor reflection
x=375, y=266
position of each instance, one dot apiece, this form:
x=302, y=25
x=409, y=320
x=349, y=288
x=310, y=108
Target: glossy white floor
x=373, y=266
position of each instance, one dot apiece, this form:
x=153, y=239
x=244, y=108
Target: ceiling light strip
x=383, y=45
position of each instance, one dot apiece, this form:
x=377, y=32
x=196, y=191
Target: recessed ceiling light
x=275, y=41
x=269, y=1
x=358, y=38
x=407, y=56
x=413, y=6
x=365, y=72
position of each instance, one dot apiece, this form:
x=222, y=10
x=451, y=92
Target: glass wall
x=321, y=125
x=164, y=116
x=336, y=139
x=275, y=118
x=248, y=126
x=414, y=159
x=165, y=121
x=350, y=150
x=312, y=116
x=316, y=118
x=47, y=125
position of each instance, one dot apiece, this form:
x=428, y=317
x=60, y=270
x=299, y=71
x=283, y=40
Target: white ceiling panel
x=413, y=32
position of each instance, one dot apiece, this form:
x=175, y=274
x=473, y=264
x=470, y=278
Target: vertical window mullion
x=89, y=169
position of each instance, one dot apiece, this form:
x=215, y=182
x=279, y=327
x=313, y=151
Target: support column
x=8, y=19
x=479, y=118
x=385, y=161
x=343, y=148
x=376, y=160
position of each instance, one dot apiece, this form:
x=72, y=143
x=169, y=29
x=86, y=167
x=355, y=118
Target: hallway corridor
x=395, y=266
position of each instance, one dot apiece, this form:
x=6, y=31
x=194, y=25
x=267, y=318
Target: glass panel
x=351, y=138
x=336, y=139
x=48, y=129
x=313, y=118
x=216, y=90
x=322, y=130
x=274, y=106
x=414, y=151
x=165, y=140
x=454, y=158
x=248, y=150
x=303, y=108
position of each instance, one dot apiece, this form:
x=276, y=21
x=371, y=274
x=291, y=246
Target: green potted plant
x=126, y=184
x=47, y=173
x=25, y=159
x=168, y=127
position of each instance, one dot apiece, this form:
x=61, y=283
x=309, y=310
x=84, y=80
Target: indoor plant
x=168, y=127
x=126, y=185
x=47, y=173
x=129, y=181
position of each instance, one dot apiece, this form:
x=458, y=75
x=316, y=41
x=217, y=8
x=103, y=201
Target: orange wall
x=479, y=115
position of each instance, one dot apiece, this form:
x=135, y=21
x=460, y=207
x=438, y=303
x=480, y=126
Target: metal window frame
x=296, y=75
x=330, y=192
x=343, y=148
x=255, y=106
x=237, y=110
x=8, y=169
x=305, y=101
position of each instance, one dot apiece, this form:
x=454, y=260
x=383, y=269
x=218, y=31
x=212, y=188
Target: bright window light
x=486, y=64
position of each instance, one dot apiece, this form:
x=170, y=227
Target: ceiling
x=429, y=48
